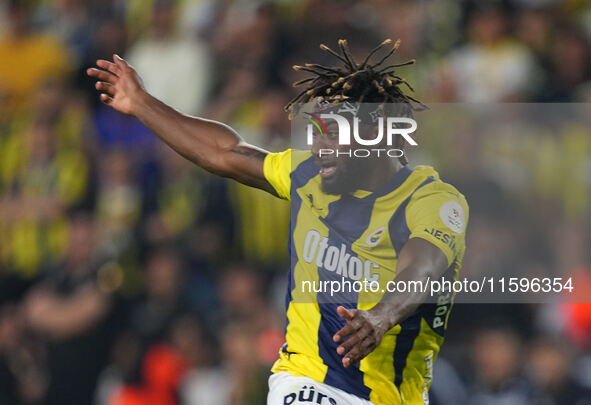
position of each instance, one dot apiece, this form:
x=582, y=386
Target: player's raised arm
x=209, y=144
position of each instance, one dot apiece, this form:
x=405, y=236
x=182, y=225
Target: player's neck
x=382, y=172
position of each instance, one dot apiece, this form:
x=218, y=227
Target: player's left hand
x=362, y=334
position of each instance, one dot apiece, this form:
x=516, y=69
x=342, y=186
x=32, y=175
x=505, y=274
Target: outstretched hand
x=362, y=334
x=119, y=84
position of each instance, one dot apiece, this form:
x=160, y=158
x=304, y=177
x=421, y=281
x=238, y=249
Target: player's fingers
x=344, y=332
x=367, y=345
x=354, y=339
x=102, y=75
x=352, y=357
x=120, y=62
x=110, y=66
x=360, y=335
x=345, y=313
x=359, y=351
x=106, y=99
x=106, y=87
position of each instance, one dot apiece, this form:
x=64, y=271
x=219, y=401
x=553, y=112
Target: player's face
x=341, y=172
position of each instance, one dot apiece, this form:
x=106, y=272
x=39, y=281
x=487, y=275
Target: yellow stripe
x=417, y=375
x=383, y=390
x=378, y=366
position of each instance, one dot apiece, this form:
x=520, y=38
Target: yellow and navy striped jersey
x=359, y=236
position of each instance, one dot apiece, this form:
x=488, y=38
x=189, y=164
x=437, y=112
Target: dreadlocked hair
x=357, y=82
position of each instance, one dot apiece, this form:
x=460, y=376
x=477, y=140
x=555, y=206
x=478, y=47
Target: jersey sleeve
x=277, y=170
x=438, y=213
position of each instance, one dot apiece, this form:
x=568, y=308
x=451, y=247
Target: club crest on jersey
x=374, y=237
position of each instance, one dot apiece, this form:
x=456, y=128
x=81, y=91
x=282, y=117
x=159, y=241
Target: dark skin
x=418, y=260
x=350, y=173
x=211, y=145
x=220, y=150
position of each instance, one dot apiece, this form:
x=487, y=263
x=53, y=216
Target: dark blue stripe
x=409, y=331
x=397, y=227
x=395, y=182
x=347, y=219
x=428, y=309
x=411, y=327
x=299, y=177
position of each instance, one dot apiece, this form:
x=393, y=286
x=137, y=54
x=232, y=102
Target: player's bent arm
x=419, y=260
x=209, y=144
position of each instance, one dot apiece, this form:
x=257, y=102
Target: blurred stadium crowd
x=128, y=276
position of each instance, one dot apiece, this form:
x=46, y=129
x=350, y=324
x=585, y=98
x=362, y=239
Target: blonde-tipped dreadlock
x=365, y=82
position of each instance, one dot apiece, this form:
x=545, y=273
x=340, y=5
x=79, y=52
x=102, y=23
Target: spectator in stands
x=72, y=310
x=548, y=367
x=42, y=178
x=163, y=300
x=497, y=360
x=29, y=59
x=491, y=66
x=184, y=83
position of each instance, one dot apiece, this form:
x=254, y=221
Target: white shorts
x=286, y=389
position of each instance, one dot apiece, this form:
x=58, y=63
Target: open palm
x=119, y=84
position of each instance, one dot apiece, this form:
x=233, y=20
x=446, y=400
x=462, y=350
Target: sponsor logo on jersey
x=318, y=251
x=447, y=238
